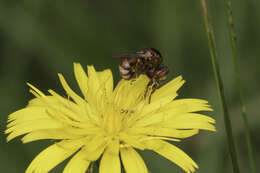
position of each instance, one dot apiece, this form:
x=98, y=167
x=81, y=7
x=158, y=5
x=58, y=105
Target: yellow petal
x=59, y=103
x=110, y=161
x=78, y=164
x=132, y=161
x=35, y=90
x=63, y=109
x=105, y=90
x=129, y=93
x=81, y=78
x=29, y=126
x=93, y=82
x=100, y=86
x=187, y=105
x=69, y=91
x=49, y=134
x=176, y=107
x=60, y=109
x=191, y=121
x=93, y=85
x=172, y=110
x=29, y=119
x=67, y=104
x=40, y=101
x=52, y=156
x=163, y=131
x=173, y=154
x=167, y=92
x=95, y=147
x=27, y=114
x=163, y=95
x=132, y=140
x=106, y=81
x=55, y=100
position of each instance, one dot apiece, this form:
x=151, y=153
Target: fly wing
x=129, y=55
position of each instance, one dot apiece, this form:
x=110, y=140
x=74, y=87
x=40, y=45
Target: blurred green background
x=38, y=39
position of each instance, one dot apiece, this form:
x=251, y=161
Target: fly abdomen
x=125, y=63
x=125, y=73
x=126, y=68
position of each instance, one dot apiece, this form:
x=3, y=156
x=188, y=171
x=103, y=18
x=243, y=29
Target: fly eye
x=164, y=71
x=163, y=77
x=161, y=73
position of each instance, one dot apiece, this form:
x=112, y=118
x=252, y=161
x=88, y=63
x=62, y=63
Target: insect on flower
x=147, y=61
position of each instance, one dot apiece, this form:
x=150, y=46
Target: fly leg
x=155, y=86
x=147, y=88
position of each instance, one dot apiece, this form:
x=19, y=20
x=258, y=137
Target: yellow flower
x=108, y=123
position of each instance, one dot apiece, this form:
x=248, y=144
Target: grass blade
x=238, y=83
x=213, y=53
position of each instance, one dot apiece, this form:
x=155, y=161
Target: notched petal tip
x=174, y=154
x=91, y=69
x=168, y=92
x=60, y=76
x=214, y=129
x=10, y=137
x=75, y=64
x=34, y=90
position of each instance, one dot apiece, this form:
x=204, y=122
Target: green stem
x=220, y=88
x=238, y=83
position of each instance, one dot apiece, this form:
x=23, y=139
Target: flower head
x=108, y=123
